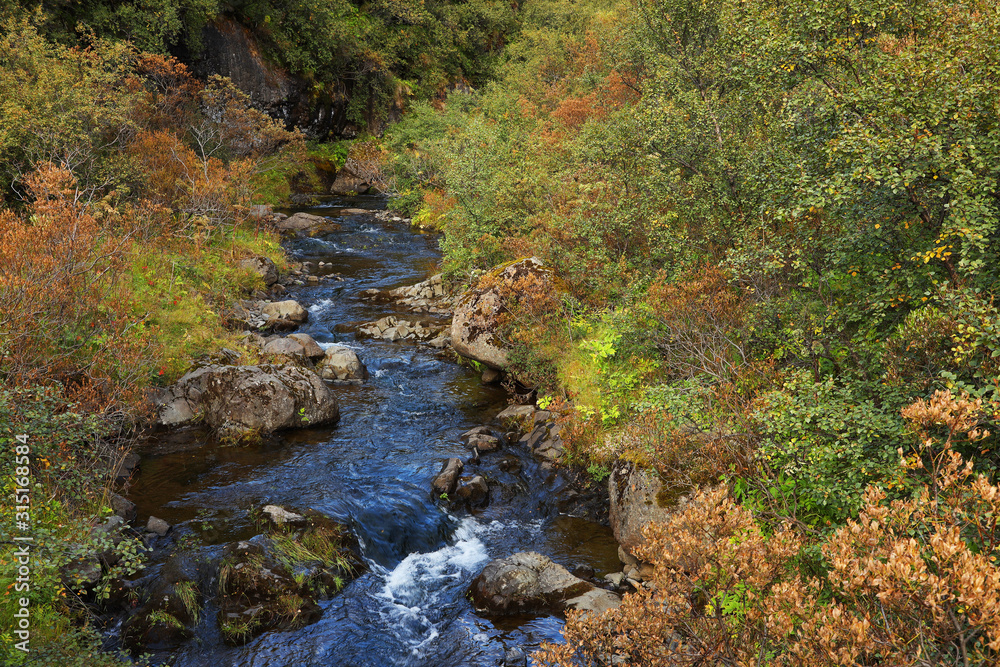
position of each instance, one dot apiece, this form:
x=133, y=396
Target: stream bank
x=373, y=472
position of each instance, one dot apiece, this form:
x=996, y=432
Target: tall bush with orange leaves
x=64, y=312
x=912, y=582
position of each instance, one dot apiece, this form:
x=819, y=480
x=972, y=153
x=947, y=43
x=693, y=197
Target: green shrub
x=827, y=442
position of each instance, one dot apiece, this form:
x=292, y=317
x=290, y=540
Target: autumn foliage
x=142, y=163
x=913, y=581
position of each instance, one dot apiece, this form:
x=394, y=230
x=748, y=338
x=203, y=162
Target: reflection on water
x=373, y=471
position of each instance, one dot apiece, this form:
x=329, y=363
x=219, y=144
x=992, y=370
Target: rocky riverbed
x=334, y=501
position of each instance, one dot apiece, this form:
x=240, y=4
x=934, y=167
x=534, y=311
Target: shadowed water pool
x=373, y=471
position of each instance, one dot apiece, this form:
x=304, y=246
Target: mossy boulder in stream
x=243, y=402
x=273, y=582
x=171, y=606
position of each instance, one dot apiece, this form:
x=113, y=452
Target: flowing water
x=373, y=471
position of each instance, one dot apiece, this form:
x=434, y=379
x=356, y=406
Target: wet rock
x=286, y=347
x=158, y=526
x=340, y=362
x=615, y=578
x=122, y=507
x=430, y=296
x=262, y=267
x=279, y=516
x=264, y=584
x=510, y=464
x=243, y=402
x=475, y=491
x=171, y=607
x=305, y=223
x=524, y=583
x=636, y=500
x=478, y=430
x=515, y=657
x=484, y=443
x=478, y=310
x=310, y=347
x=288, y=311
x=447, y=479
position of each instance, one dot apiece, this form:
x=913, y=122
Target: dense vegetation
x=127, y=205
x=775, y=231
x=774, y=228
x=125, y=214
x=371, y=54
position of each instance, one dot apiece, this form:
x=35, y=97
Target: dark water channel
x=373, y=471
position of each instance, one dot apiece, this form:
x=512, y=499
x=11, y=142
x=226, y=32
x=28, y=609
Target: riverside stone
x=524, y=583
x=246, y=401
x=289, y=310
x=447, y=479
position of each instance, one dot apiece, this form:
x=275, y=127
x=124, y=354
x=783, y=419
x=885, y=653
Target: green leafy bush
x=827, y=442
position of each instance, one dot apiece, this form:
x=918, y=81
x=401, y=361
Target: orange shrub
x=913, y=582
x=63, y=312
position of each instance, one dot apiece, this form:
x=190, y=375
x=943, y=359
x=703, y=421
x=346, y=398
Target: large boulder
x=248, y=401
x=529, y=582
x=307, y=223
x=341, y=363
x=475, y=324
x=637, y=500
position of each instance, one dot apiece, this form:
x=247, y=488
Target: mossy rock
x=273, y=582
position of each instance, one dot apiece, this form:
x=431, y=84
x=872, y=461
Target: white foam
x=320, y=305
x=327, y=346
x=412, y=590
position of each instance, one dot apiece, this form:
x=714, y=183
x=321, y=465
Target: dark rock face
x=230, y=49
x=528, y=582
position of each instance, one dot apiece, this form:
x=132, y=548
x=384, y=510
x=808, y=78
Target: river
x=373, y=471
